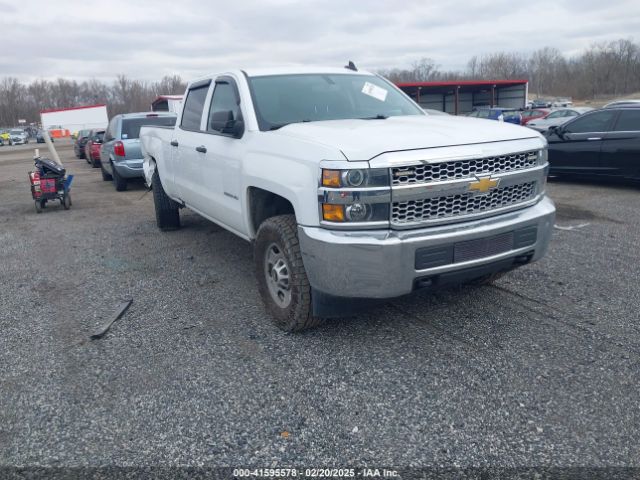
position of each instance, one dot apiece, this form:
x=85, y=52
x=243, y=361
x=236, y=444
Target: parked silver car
x=623, y=103
x=557, y=117
x=120, y=154
x=18, y=136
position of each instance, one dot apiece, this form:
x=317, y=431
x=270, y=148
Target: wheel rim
x=277, y=272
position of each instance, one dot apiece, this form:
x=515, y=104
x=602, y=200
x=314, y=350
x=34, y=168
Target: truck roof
x=291, y=70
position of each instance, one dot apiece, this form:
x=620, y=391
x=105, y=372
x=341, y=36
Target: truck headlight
x=373, y=177
x=355, y=212
x=355, y=196
x=353, y=178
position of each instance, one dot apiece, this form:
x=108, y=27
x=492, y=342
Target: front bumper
x=382, y=263
x=129, y=168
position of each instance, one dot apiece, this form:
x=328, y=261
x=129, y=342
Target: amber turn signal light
x=333, y=213
x=331, y=178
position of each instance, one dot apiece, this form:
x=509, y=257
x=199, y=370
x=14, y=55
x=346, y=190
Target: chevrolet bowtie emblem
x=483, y=185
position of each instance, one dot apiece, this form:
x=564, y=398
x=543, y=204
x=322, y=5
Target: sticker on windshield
x=125, y=136
x=374, y=91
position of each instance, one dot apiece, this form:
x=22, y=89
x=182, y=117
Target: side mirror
x=237, y=129
x=224, y=122
x=221, y=121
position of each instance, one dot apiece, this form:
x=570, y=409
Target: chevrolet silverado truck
x=346, y=188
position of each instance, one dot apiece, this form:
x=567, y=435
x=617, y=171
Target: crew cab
x=346, y=188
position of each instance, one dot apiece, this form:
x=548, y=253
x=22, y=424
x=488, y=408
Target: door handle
x=174, y=143
x=594, y=138
x=201, y=149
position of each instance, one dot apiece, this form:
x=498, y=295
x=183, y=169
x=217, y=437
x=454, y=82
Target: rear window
x=628, y=121
x=131, y=126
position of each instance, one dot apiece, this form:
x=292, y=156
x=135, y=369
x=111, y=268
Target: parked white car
x=557, y=117
x=346, y=188
x=562, y=102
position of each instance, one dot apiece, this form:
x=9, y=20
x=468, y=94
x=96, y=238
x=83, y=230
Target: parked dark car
x=509, y=115
x=92, y=147
x=541, y=103
x=602, y=142
x=120, y=153
x=81, y=140
x=40, y=137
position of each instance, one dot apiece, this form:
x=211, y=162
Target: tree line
x=124, y=95
x=602, y=70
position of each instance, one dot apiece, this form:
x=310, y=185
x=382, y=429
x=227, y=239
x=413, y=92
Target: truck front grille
x=416, y=211
x=438, y=172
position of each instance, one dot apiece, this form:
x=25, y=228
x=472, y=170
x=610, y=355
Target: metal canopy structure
x=458, y=97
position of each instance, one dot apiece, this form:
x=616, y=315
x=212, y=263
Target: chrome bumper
x=381, y=263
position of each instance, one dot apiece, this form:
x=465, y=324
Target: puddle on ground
x=571, y=212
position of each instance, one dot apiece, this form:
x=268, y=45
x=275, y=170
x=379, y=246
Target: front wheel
x=282, y=280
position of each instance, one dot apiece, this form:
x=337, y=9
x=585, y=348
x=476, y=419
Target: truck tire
x=282, y=280
x=118, y=181
x=167, y=210
x=105, y=176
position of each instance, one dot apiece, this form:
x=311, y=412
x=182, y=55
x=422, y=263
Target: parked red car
x=92, y=147
x=534, y=114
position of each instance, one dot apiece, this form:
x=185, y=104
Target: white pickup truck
x=347, y=188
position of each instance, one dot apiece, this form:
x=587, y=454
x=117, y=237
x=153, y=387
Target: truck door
x=621, y=146
x=187, y=159
x=225, y=149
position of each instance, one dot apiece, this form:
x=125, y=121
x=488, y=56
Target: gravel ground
x=541, y=369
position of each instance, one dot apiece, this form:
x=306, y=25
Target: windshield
x=283, y=99
x=17, y=132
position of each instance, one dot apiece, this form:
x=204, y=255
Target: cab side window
x=194, y=106
x=594, y=122
x=225, y=107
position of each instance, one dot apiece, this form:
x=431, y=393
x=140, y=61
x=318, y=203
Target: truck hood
x=366, y=139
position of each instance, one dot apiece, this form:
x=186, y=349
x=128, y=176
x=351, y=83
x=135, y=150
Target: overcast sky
x=147, y=39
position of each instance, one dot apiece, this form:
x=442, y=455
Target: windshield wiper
x=376, y=117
